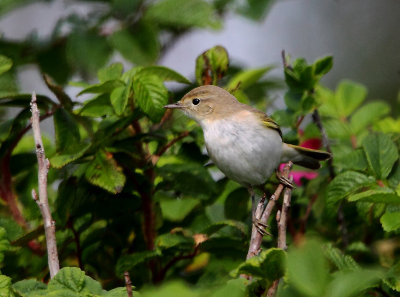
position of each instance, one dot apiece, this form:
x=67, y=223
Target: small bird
x=243, y=142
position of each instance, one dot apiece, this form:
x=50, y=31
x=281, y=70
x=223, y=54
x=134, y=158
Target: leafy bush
x=129, y=191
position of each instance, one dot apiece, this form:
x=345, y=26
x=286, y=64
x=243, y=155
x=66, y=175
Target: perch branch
x=263, y=215
x=41, y=200
x=281, y=218
x=128, y=284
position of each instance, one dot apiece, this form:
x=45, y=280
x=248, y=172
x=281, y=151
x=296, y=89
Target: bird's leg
x=257, y=211
x=284, y=180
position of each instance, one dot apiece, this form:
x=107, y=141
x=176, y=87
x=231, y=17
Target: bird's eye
x=196, y=101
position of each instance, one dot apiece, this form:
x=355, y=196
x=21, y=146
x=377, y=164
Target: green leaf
x=164, y=73
x=105, y=87
x=307, y=269
x=66, y=130
x=128, y=262
x=61, y=159
x=255, y=9
x=97, y=107
x=269, y=264
x=323, y=65
x=352, y=283
x=4, y=244
x=119, y=98
x=5, y=64
x=174, y=240
x=70, y=278
x=377, y=195
x=5, y=129
x=246, y=78
x=5, y=286
x=176, y=210
x=354, y=160
x=87, y=51
x=215, y=227
x=111, y=72
x=211, y=65
x=169, y=289
x=119, y=292
x=388, y=125
x=151, y=95
x=381, y=154
x=392, y=279
x=104, y=172
x=341, y=261
x=236, y=205
x=367, y=115
x=390, y=221
x=349, y=95
x=29, y=286
x=233, y=288
x=345, y=184
x=183, y=14
x=141, y=46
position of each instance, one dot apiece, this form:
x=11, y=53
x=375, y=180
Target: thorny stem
x=128, y=284
x=41, y=200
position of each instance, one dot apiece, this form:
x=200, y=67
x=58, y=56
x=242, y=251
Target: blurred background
x=362, y=35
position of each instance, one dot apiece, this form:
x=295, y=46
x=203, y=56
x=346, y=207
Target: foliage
x=128, y=188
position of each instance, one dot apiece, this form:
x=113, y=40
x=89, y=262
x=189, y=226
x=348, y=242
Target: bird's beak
x=174, y=105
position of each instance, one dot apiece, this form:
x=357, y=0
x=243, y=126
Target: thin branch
x=262, y=215
x=281, y=218
x=128, y=284
x=41, y=200
x=156, y=157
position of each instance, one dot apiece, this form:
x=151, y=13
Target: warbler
x=242, y=141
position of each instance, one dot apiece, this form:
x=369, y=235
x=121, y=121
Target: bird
x=242, y=141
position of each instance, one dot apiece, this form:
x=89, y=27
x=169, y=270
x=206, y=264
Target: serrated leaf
x=307, y=269
x=29, y=286
x=61, y=159
x=340, y=260
x=348, y=96
x=381, y=153
x=5, y=64
x=141, y=46
x=176, y=210
x=211, y=65
x=368, y=115
x=104, y=172
x=151, y=95
x=269, y=264
x=119, y=292
x=164, y=73
x=105, y=87
x=215, y=227
x=323, y=65
x=392, y=279
x=390, y=221
x=388, y=125
x=353, y=283
x=68, y=278
x=119, y=98
x=345, y=184
x=97, y=107
x=5, y=286
x=111, y=72
x=66, y=130
x=233, y=288
x=377, y=195
x=183, y=14
x=354, y=160
x=128, y=262
x=246, y=78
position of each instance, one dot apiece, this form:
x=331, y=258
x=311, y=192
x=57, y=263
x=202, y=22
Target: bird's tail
x=302, y=156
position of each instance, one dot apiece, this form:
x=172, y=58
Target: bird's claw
x=261, y=227
x=285, y=181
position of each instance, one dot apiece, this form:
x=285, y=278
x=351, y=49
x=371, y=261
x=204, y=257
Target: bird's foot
x=261, y=227
x=285, y=181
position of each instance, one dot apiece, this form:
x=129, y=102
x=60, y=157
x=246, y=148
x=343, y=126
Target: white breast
x=243, y=149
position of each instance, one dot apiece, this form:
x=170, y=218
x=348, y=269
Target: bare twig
x=282, y=226
x=156, y=157
x=128, y=284
x=41, y=200
x=263, y=215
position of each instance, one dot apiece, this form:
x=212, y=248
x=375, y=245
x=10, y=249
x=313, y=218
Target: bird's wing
x=270, y=123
